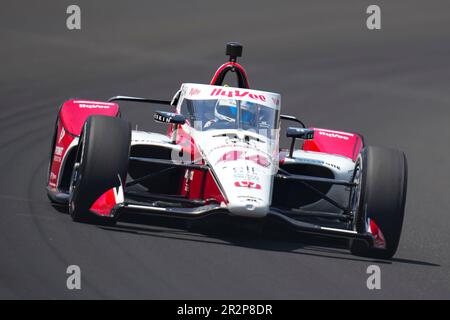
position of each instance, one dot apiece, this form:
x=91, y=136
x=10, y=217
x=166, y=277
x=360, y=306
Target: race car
x=221, y=154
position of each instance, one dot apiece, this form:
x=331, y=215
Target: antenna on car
x=234, y=50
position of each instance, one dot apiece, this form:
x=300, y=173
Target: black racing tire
x=382, y=198
x=102, y=157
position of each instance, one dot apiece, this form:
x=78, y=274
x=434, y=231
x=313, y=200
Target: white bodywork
x=246, y=173
x=243, y=162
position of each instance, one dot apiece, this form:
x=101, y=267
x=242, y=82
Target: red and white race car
x=221, y=155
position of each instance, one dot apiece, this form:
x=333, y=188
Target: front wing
x=209, y=209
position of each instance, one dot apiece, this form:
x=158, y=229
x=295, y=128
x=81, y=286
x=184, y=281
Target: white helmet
x=226, y=110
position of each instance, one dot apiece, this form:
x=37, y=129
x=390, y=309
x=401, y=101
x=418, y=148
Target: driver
x=225, y=112
x=249, y=114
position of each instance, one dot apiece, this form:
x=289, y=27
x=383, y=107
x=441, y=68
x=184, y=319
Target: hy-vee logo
x=333, y=135
x=237, y=94
x=194, y=91
x=93, y=106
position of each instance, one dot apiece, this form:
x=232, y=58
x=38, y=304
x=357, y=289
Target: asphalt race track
x=392, y=85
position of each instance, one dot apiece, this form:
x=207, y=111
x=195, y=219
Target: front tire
x=102, y=158
x=382, y=199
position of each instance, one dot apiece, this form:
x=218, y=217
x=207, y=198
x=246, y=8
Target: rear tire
x=102, y=157
x=382, y=199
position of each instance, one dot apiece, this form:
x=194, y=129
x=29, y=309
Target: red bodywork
x=74, y=113
x=71, y=118
x=106, y=202
x=197, y=184
x=335, y=142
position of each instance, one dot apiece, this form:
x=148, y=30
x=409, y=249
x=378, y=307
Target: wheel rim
x=76, y=174
x=355, y=196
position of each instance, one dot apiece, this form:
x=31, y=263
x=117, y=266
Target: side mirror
x=298, y=133
x=169, y=117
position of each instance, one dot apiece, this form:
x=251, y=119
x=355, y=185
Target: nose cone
x=243, y=169
x=246, y=178
x=247, y=183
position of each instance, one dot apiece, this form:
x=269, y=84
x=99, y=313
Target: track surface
x=392, y=85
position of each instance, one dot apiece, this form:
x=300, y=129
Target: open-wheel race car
x=221, y=154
